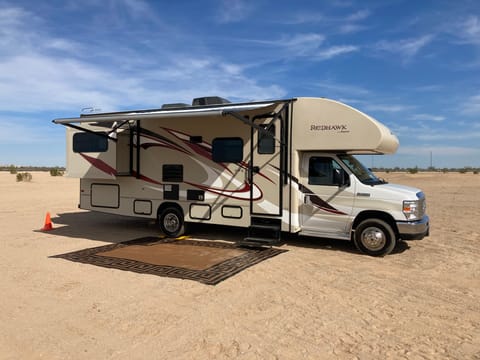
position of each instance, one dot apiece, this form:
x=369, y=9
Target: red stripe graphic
x=100, y=164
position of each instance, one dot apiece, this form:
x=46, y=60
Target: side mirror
x=341, y=178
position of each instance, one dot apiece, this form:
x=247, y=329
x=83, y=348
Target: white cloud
x=472, y=27
x=427, y=88
x=33, y=79
x=428, y=117
x=471, y=106
x=438, y=150
x=12, y=17
x=14, y=34
x=206, y=76
x=406, y=48
x=341, y=3
x=296, y=44
x=336, y=24
x=24, y=130
x=136, y=8
x=343, y=89
x=306, y=45
x=334, y=51
x=387, y=108
x=359, y=15
x=302, y=44
x=351, y=28
x=231, y=11
x=449, y=136
x=468, y=30
x=305, y=18
x=39, y=83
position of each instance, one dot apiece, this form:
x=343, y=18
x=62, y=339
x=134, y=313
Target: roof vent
x=209, y=100
x=174, y=106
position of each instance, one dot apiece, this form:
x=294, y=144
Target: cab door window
x=322, y=171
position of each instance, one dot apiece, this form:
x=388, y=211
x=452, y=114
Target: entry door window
x=266, y=140
x=321, y=171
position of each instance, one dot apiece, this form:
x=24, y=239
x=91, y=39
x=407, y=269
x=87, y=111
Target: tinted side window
x=227, y=149
x=90, y=142
x=321, y=170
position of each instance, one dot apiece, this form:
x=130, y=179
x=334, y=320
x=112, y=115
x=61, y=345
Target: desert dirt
x=320, y=300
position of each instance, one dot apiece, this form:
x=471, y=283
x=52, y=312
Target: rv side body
x=282, y=165
x=170, y=162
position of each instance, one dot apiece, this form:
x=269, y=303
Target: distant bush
x=12, y=169
x=56, y=172
x=25, y=176
x=413, y=170
x=475, y=172
x=462, y=171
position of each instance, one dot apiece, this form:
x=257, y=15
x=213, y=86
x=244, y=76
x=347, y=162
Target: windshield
x=360, y=171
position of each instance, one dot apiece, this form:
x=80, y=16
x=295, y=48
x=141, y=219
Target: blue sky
x=413, y=65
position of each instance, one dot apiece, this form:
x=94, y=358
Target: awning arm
x=264, y=130
x=246, y=120
x=118, y=126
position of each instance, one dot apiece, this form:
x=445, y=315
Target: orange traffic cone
x=48, y=223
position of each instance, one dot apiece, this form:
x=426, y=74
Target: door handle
x=251, y=171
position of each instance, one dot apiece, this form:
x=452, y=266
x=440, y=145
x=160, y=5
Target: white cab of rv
x=268, y=166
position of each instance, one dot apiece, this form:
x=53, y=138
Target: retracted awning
x=161, y=114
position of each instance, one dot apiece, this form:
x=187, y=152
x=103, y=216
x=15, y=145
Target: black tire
x=171, y=221
x=374, y=237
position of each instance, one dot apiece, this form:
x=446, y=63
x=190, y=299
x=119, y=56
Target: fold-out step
x=262, y=232
x=258, y=241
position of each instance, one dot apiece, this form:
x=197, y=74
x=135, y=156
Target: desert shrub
x=25, y=176
x=475, y=172
x=462, y=171
x=413, y=170
x=56, y=172
x=12, y=169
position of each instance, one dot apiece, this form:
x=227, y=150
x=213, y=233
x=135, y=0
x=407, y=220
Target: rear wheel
x=171, y=221
x=374, y=237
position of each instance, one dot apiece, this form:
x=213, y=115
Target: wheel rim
x=171, y=222
x=373, y=238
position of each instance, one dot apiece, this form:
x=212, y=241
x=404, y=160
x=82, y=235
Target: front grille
x=422, y=205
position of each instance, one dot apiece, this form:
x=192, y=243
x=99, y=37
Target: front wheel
x=171, y=222
x=374, y=237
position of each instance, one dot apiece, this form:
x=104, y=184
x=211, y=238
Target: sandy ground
x=320, y=300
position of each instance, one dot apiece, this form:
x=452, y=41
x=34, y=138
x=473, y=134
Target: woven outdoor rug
x=204, y=261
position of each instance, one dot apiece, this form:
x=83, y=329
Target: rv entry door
x=265, y=167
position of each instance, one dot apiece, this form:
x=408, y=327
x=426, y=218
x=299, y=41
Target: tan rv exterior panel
x=330, y=125
x=82, y=165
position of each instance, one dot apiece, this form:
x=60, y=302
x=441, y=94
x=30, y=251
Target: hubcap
x=373, y=238
x=171, y=222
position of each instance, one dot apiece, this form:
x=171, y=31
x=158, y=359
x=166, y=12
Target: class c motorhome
x=269, y=166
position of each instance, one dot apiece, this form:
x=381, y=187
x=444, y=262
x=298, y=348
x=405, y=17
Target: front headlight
x=412, y=209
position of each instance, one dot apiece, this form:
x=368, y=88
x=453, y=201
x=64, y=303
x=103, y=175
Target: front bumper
x=414, y=230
